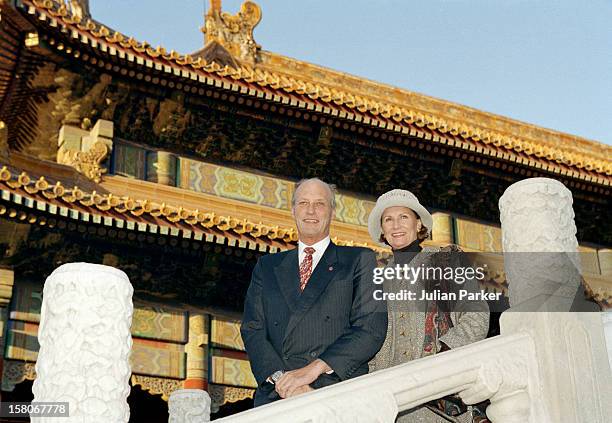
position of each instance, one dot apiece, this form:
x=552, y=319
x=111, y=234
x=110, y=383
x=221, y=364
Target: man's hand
x=301, y=390
x=300, y=378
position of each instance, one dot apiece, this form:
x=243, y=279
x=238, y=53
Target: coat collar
x=288, y=278
x=422, y=257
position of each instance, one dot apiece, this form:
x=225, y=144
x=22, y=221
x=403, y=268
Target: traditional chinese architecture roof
x=381, y=127
x=289, y=82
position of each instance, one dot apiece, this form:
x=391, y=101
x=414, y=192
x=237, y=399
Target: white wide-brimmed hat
x=393, y=198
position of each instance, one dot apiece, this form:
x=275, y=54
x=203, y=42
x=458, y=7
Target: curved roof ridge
x=381, y=91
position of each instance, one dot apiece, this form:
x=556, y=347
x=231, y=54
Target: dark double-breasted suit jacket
x=335, y=318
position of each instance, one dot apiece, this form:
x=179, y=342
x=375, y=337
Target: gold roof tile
x=322, y=84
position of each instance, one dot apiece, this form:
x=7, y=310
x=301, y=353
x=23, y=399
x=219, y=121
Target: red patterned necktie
x=306, y=267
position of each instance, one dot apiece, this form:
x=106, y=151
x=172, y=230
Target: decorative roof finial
x=80, y=8
x=233, y=32
x=215, y=5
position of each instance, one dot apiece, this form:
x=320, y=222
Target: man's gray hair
x=330, y=187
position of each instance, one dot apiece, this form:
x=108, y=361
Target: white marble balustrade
x=544, y=368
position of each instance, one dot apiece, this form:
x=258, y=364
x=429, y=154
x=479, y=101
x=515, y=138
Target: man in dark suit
x=310, y=318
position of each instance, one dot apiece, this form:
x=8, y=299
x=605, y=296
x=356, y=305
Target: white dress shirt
x=319, y=247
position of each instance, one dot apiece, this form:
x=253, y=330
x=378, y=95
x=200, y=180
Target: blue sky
x=544, y=62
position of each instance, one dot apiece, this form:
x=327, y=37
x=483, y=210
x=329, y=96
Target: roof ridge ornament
x=233, y=32
x=79, y=8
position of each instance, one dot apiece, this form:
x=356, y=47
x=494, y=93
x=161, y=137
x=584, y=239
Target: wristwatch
x=276, y=376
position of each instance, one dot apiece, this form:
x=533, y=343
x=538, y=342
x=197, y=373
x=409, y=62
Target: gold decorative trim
x=129, y=206
x=89, y=162
x=136, y=207
x=15, y=372
x=221, y=395
x=554, y=147
x=7, y=280
x=157, y=385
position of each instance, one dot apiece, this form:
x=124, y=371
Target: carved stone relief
x=85, y=342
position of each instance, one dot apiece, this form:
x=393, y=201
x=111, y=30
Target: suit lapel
x=288, y=278
x=320, y=278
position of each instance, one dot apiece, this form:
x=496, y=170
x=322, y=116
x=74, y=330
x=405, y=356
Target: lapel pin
x=331, y=268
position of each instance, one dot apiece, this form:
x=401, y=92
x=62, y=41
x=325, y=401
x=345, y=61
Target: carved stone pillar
x=85, y=342
x=574, y=381
x=540, y=246
x=537, y=215
x=442, y=229
x=197, y=363
x=69, y=138
x=189, y=406
x=102, y=132
x=570, y=378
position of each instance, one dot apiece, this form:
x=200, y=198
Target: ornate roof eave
x=46, y=195
x=403, y=112
x=461, y=120
x=121, y=212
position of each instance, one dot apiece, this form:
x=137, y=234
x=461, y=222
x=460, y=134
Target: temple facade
x=179, y=169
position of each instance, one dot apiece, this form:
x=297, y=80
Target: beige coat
x=406, y=330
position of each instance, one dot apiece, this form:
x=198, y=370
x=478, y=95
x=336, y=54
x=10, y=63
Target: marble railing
x=545, y=367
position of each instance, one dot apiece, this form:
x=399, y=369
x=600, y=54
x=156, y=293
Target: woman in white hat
x=418, y=328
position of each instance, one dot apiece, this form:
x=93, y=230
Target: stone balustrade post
x=543, y=273
x=85, y=341
x=540, y=246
